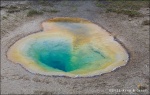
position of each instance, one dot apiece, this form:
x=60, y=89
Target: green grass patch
x=34, y=12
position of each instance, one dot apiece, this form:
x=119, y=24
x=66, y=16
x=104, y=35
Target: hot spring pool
x=69, y=47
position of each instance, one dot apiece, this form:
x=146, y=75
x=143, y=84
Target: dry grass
x=130, y=13
x=45, y=3
x=129, y=8
x=34, y=12
x=18, y=8
x=54, y=11
x=50, y=10
x=146, y=22
x=13, y=9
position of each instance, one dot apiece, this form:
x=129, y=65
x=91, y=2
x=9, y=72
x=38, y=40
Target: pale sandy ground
x=130, y=32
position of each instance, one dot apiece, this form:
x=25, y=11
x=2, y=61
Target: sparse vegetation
x=34, y=12
x=146, y=22
x=130, y=5
x=130, y=13
x=45, y=3
x=65, y=3
x=123, y=4
x=51, y=10
x=13, y=9
x=74, y=9
x=54, y=11
x=4, y=17
x=99, y=4
x=36, y=79
x=2, y=7
x=129, y=8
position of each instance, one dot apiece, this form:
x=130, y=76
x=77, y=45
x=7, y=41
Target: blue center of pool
x=58, y=54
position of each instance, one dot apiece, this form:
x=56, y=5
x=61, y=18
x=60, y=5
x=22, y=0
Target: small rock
x=130, y=19
x=140, y=87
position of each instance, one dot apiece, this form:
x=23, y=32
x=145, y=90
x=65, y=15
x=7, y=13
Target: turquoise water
x=58, y=54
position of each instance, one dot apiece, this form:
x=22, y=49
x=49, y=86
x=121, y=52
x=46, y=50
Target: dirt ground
x=130, y=31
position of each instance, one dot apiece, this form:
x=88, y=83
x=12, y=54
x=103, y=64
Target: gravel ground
x=15, y=24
